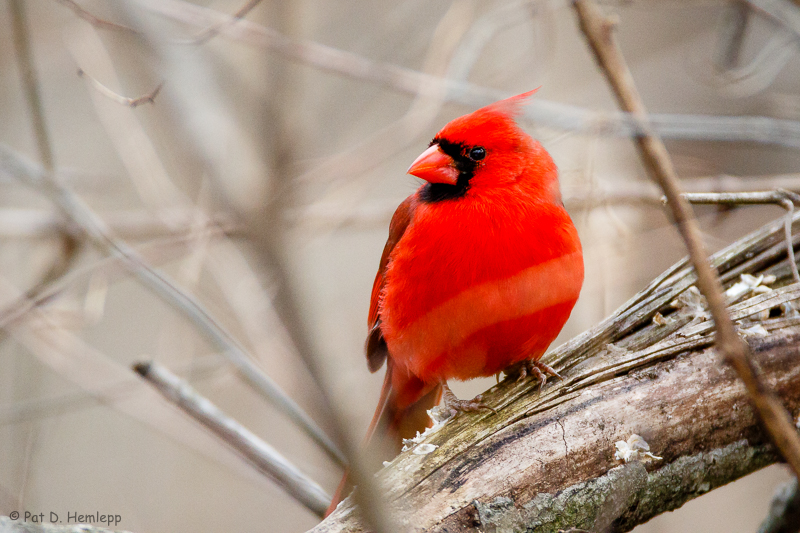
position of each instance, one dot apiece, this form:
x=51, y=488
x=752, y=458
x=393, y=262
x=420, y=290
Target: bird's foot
x=536, y=369
x=455, y=406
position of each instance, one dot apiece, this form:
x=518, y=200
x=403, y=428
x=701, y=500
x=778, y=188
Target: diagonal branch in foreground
x=546, y=460
x=263, y=456
x=599, y=32
x=84, y=218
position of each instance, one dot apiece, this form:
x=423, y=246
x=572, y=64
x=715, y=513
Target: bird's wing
x=376, y=345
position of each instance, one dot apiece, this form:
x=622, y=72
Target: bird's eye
x=477, y=153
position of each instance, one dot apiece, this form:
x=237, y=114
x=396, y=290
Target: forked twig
x=599, y=32
x=268, y=460
x=149, y=98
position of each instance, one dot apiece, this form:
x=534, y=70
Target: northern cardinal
x=480, y=272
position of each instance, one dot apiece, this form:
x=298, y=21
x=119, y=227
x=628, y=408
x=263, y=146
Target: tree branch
x=263, y=456
x=599, y=32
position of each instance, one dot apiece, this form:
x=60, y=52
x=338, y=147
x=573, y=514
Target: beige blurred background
x=319, y=158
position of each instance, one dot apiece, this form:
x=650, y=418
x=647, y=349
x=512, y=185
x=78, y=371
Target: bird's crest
x=512, y=106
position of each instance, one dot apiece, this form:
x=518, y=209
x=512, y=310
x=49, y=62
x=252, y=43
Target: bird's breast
x=468, y=295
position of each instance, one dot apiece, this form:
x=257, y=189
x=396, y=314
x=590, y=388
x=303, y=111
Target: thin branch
x=134, y=224
x=149, y=98
x=93, y=20
x=191, y=101
x=599, y=32
x=94, y=228
x=206, y=35
x=70, y=402
x=32, y=91
x=543, y=113
x=268, y=460
x=785, y=199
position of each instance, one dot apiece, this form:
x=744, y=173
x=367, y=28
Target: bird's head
x=483, y=149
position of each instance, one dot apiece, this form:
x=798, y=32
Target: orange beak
x=434, y=166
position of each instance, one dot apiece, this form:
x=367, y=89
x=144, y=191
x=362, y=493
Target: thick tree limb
x=629, y=374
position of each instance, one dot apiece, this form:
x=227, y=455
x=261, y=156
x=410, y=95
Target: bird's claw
x=537, y=369
x=455, y=406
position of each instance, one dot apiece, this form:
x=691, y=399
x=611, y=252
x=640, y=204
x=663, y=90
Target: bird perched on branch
x=480, y=272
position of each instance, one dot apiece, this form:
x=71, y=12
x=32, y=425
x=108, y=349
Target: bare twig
x=94, y=228
x=54, y=405
x=599, y=32
x=191, y=101
x=261, y=454
x=785, y=199
x=32, y=91
x=93, y=20
x=149, y=98
x=206, y=35
x=544, y=113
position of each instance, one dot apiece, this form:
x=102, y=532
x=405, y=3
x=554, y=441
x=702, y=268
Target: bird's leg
x=537, y=369
x=454, y=405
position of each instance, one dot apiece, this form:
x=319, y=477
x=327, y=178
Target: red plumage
x=481, y=269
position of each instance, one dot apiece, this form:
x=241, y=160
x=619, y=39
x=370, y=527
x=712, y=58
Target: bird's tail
x=402, y=412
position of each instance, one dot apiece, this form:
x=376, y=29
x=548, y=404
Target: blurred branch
x=196, y=97
x=211, y=32
x=30, y=82
x=544, y=113
x=784, y=511
x=261, y=454
x=134, y=224
x=113, y=386
x=148, y=98
x=94, y=228
x=785, y=13
x=733, y=31
x=93, y=20
x=55, y=405
x=599, y=32
x=546, y=461
x=636, y=194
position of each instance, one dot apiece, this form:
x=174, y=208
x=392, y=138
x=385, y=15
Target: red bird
x=481, y=269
